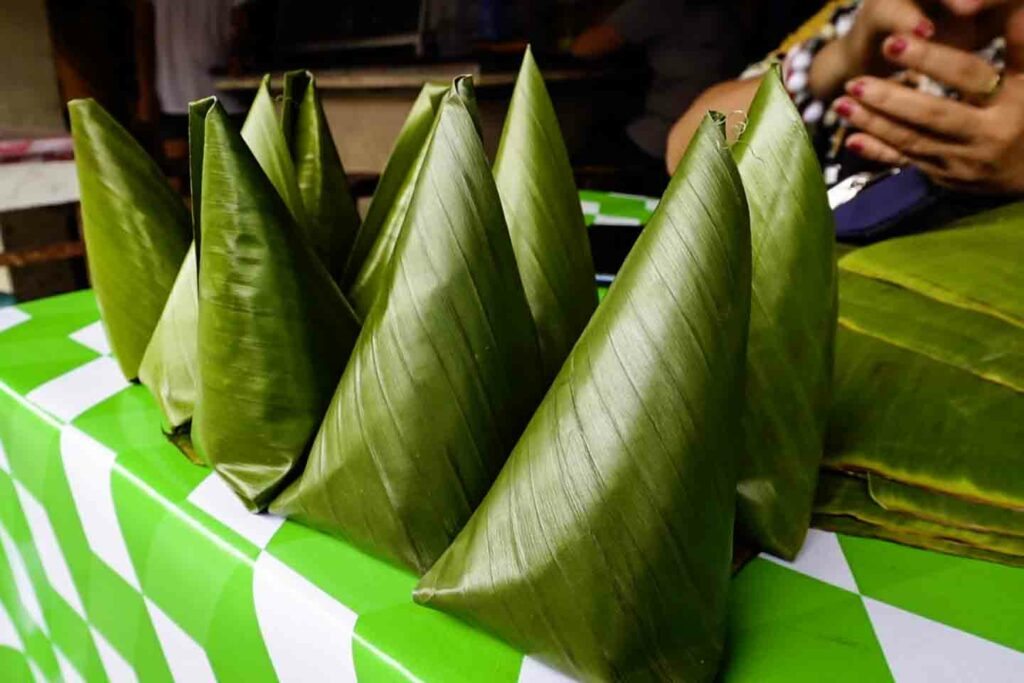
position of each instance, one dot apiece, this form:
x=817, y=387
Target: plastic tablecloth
x=120, y=560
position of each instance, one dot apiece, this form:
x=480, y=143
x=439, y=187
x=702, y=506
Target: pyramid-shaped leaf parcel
x=540, y=200
x=274, y=330
x=604, y=546
x=136, y=230
x=792, y=323
x=444, y=376
x=321, y=178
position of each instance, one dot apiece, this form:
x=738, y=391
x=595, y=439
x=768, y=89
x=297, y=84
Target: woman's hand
x=962, y=23
x=974, y=144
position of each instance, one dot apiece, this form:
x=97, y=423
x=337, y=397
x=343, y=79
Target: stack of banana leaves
x=926, y=436
x=432, y=382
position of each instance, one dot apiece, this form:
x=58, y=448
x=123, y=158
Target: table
x=120, y=559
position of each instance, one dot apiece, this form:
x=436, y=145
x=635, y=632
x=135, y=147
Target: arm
x=730, y=97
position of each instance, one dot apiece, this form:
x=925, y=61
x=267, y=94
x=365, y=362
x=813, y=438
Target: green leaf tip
x=136, y=230
x=444, y=374
x=792, y=322
x=274, y=330
x=604, y=546
x=545, y=220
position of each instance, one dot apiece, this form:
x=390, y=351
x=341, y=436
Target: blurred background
x=619, y=74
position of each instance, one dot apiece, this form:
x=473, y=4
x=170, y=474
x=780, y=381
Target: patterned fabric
x=121, y=561
x=828, y=131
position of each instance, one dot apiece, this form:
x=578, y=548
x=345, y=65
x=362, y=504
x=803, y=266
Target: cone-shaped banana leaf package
x=321, y=177
x=169, y=365
x=542, y=206
x=368, y=263
x=792, y=323
x=841, y=498
x=444, y=375
x=274, y=330
x=604, y=546
x=136, y=230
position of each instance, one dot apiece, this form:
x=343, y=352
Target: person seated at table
x=937, y=87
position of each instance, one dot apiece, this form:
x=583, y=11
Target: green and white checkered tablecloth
x=121, y=561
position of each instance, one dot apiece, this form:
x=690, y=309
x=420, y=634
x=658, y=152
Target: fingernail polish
x=924, y=29
x=896, y=45
x=856, y=89
x=855, y=146
x=844, y=108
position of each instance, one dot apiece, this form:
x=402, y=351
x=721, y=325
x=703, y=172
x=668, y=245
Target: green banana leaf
x=371, y=255
x=398, y=178
x=323, y=184
x=538, y=194
x=263, y=133
x=974, y=264
x=907, y=417
x=170, y=363
x=274, y=330
x=855, y=527
x=444, y=375
x=844, y=496
x=984, y=345
x=135, y=226
x=792, y=323
x=942, y=509
x=604, y=546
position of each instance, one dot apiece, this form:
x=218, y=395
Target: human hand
x=596, y=42
x=976, y=144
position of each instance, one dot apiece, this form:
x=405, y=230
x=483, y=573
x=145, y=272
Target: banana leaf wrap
x=539, y=197
x=981, y=344
x=854, y=527
x=443, y=377
x=947, y=510
x=604, y=546
x=394, y=190
x=274, y=329
x=136, y=230
x=264, y=134
x=907, y=417
x=170, y=363
x=792, y=323
x=844, y=496
x=974, y=264
x=321, y=177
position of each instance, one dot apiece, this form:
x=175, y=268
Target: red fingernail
x=856, y=89
x=855, y=146
x=895, y=46
x=844, y=108
x=924, y=29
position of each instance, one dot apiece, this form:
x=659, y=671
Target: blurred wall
x=29, y=100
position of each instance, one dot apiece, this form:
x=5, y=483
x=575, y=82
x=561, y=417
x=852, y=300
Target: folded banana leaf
x=170, y=363
x=845, y=496
x=545, y=220
x=792, y=323
x=264, y=134
x=394, y=190
x=855, y=527
x=274, y=330
x=323, y=184
x=443, y=378
x=604, y=546
x=975, y=264
x=910, y=418
x=373, y=270
x=943, y=509
x=979, y=343
x=136, y=230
